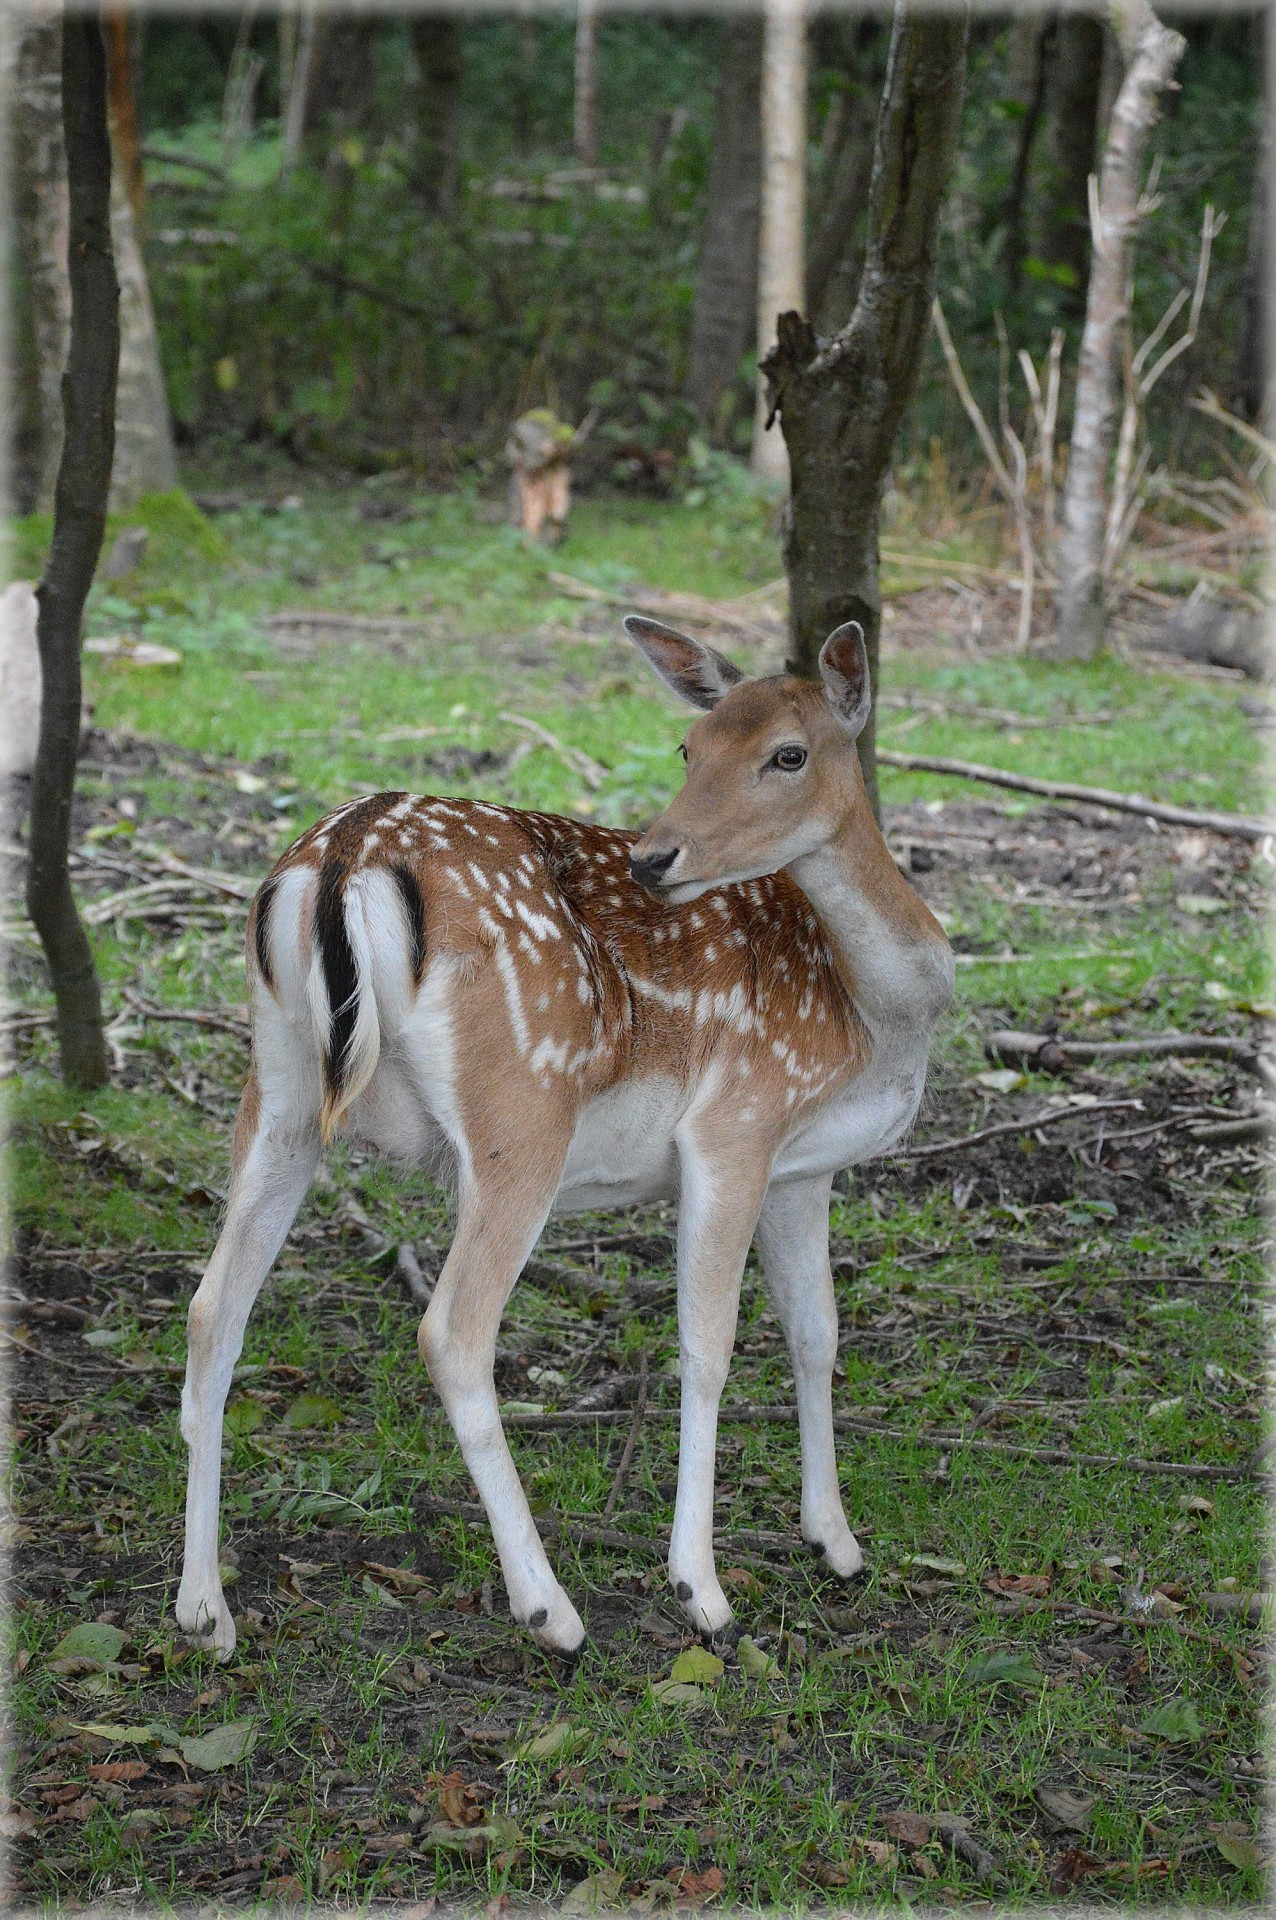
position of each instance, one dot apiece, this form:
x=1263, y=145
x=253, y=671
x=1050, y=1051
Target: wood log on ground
x=1207, y=630
x=1241, y=826
x=1056, y=1052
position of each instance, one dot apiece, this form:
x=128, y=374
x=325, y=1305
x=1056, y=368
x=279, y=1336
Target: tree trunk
x=782, y=242
x=841, y=400
x=145, y=459
x=1031, y=34
x=1151, y=54
x=1074, y=81
x=39, y=204
x=301, y=72
x=436, y=173
x=1254, y=345
x=79, y=519
x=585, y=102
x=725, y=314
x=343, y=96
x=832, y=266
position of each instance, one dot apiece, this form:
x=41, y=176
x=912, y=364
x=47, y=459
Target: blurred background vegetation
x=429, y=257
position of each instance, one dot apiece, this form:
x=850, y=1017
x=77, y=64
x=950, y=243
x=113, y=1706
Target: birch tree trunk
x=725, y=314
x=1151, y=52
x=145, y=458
x=40, y=213
x=79, y=519
x=585, y=100
x=782, y=244
x=840, y=401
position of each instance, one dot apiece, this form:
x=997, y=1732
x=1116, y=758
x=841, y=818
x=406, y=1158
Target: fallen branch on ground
x=1050, y=1118
x=1243, y=826
x=848, y=1423
x=220, y=1023
x=1054, y=1052
x=631, y=1441
x=573, y=758
x=408, y=1269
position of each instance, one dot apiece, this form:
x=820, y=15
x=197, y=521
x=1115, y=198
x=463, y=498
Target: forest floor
x=1048, y=1688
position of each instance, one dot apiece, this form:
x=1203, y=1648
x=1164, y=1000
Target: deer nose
x=649, y=869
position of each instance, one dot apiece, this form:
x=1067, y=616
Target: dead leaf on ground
x=112, y=1770
x=600, y=1893
x=910, y=1829
x=460, y=1802
x=695, y=1888
x=1073, y=1865
x=1067, y=1809
x=1034, y=1586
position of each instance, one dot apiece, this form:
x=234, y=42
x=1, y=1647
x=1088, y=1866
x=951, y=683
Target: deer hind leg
x=499, y=1220
x=793, y=1240
x=718, y=1207
x=274, y=1167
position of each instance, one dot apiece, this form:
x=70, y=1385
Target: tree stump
x=539, y=451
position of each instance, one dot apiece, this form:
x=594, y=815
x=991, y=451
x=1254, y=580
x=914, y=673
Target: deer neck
x=890, y=951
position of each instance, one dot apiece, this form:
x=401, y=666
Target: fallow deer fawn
x=550, y=1015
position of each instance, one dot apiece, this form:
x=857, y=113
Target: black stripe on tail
x=414, y=906
x=340, y=976
x=261, y=928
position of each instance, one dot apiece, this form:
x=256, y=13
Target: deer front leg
x=717, y=1210
x=793, y=1240
x=498, y=1224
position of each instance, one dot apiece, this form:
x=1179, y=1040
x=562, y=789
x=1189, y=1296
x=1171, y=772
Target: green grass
x=1028, y=1297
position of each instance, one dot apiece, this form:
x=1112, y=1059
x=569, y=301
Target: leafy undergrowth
x=1048, y=1686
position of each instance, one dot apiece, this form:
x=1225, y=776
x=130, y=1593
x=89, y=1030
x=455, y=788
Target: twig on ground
x=631, y=1441
x=407, y=1268
x=573, y=758
x=1050, y=1118
x=1255, y=1126
x=218, y=1022
x=849, y=1423
x=1240, y=825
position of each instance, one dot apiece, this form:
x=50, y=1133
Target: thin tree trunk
x=841, y=401
x=782, y=244
x=725, y=313
x=145, y=458
x=126, y=151
x=88, y=393
x=1031, y=33
x=1074, y=83
x=1152, y=52
x=585, y=102
x=436, y=172
x=1254, y=345
x=300, y=79
x=39, y=204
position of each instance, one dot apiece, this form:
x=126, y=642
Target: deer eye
x=682, y=748
x=789, y=759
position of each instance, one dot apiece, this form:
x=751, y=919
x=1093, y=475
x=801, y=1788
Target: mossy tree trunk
x=79, y=522
x=840, y=401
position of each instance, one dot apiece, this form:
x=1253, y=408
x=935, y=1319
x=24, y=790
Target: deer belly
x=622, y=1152
x=869, y=1119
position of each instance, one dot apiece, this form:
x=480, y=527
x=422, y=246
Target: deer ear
x=844, y=671
x=694, y=672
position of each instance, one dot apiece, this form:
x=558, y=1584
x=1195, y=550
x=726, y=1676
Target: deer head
x=772, y=771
